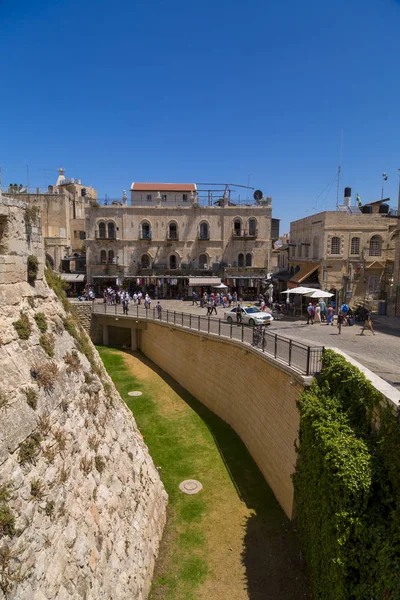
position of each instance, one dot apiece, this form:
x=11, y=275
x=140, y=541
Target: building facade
x=62, y=216
x=349, y=254
x=171, y=249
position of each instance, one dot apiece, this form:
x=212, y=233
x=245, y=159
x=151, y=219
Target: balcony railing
x=204, y=236
x=145, y=235
x=244, y=233
x=101, y=236
x=172, y=235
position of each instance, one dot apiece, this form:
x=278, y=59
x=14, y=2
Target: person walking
x=209, y=307
x=235, y=299
x=340, y=321
x=239, y=313
x=159, y=310
x=310, y=313
x=317, y=314
x=214, y=306
x=367, y=323
x=322, y=310
x=329, y=318
x=194, y=298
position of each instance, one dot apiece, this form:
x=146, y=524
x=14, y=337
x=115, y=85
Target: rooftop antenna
x=339, y=169
x=384, y=178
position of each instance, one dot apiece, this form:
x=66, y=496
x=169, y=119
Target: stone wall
x=256, y=396
x=82, y=507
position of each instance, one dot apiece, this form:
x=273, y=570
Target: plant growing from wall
x=47, y=341
x=31, y=215
x=45, y=374
x=41, y=321
x=347, y=486
x=33, y=268
x=23, y=326
x=7, y=519
x=72, y=361
x=29, y=449
x=31, y=397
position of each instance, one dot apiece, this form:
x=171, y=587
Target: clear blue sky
x=151, y=90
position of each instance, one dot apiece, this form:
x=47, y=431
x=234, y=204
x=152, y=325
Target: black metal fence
x=305, y=359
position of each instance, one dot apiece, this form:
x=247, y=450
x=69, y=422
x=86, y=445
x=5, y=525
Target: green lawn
x=230, y=540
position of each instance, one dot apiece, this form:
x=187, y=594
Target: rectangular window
x=148, y=197
x=82, y=235
x=335, y=245
x=184, y=197
x=355, y=245
x=164, y=197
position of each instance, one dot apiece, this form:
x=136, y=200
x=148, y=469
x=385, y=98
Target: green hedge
x=347, y=486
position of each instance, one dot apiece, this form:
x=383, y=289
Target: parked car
x=251, y=315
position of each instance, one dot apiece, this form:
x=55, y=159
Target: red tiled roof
x=163, y=187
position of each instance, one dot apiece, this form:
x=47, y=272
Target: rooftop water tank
x=384, y=209
x=367, y=210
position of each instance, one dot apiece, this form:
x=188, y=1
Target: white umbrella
x=220, y=286
x=319, y=294
x=299, y=290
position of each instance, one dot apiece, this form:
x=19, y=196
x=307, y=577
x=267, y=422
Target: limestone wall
x=82, y=507
x=255, y=396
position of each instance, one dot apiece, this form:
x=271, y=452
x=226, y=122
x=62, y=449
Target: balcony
x=104, y=238
x=172, y=236
x=244, y=234
x=145, y=235
x=203, y=236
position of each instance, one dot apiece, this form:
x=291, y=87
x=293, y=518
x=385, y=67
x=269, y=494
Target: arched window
x=241, y=260
x=335, y=245
x=299, y=249
x=252, y=227
x=111, y=230
x=111, y=258
x=355, y=245
x=103, y=257
x=145, y=261
x=203, y=261
x=145, y=232
x=102, y=230
x=172, y=231
x=375, y=245
x=172, y=261
x=204, y=231
x=237, y=227
x=315, y=247
x=248, y=259
x=306, y=248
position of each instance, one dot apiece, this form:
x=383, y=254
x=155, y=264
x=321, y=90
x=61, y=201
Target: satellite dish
x=257, y=195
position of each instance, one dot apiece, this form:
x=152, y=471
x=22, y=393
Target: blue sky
x=150, y=90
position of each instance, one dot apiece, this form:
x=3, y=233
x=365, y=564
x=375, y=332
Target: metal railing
x=305, y=359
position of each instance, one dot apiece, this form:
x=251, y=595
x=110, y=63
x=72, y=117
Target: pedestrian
x=329, y=318
x=322, y=308
x=194, y=298
x=139, y=298
x=340, y=321
x=214, y=306
x=344, y=309
x=310, y=313
x=239, y=313
x=317, y=314
x=367, y=322
x=287, y=304
x=135, y=298
x=209, y=307
x=229, y=299
x=159, y=310
x=235, y=298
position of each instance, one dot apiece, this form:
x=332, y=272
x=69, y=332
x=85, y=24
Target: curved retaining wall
x=254, y=394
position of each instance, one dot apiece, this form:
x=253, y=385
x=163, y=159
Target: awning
x=204, y=280
x=73, y=277
x=375, y=265
x=304, y=272
x=105, y=276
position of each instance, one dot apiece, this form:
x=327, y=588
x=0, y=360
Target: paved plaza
x=380, y=353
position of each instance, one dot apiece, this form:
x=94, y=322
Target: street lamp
x=385, y=178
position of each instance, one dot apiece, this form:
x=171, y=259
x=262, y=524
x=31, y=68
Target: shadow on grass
x=271, y=554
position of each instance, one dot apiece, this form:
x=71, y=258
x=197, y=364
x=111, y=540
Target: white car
x=251, y=315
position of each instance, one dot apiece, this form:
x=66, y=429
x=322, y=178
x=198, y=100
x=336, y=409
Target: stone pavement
x=380, y=353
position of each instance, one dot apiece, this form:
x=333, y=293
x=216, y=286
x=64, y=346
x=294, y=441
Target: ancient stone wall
x=256, y=396
x=82, y=507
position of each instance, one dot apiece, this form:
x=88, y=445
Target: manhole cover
x=190, y=486
x=134, y=393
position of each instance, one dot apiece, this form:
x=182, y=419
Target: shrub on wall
x=33, y=268
x=23, y=326
x=347, y=486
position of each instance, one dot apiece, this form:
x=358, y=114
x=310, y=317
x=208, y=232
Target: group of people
x=319, y=312
x=216, y=299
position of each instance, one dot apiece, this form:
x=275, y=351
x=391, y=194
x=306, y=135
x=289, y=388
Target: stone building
x=63, y=219
x=351, y=254
x=394, y=300
x=163, y=194
x=169, y=249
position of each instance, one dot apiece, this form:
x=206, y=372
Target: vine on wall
x=347, y=486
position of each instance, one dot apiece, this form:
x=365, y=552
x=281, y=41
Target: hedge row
x=347, y=486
